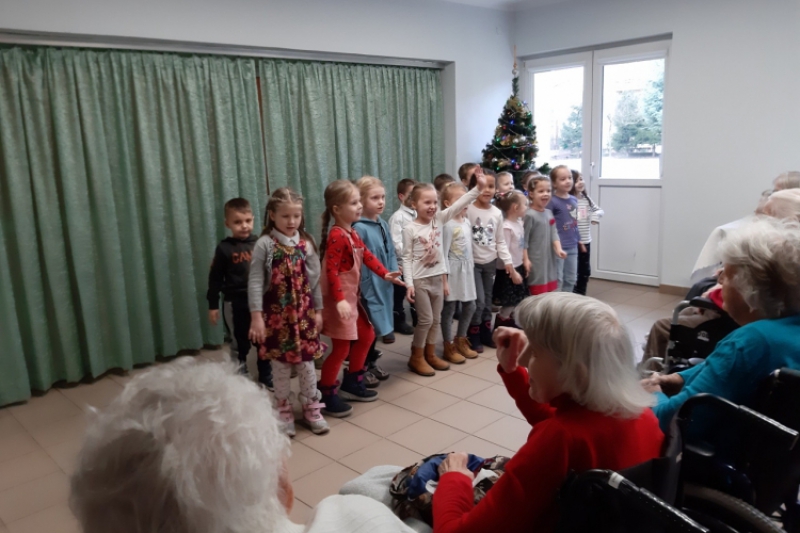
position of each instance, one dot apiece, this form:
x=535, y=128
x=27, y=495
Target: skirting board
x=673, y=289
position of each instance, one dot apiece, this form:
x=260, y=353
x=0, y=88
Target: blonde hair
x=594, y=348
x=534, y=180
x=418, y=189
x=554, y=172
x=766, y=255
x=502, y=174
x=787, y=180
x=187, y=447
x=336, y=193
x=281, y=197
x=784, y=204
x=366, y=183
x=505, y=201
x=448, y=189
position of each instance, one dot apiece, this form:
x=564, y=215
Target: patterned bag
x=411, y=492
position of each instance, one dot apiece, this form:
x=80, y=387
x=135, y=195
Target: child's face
x=563, y=181
x=454, y=196
x=426, y=205
x=505, y=183
x=540, y=196
x=374, y=202
x=543, y=379
x=288, y=218
x=580, y=185
x=350, y=211
x=485, y=198
x=240, y=223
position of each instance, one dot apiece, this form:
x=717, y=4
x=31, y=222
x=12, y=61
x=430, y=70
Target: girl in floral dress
x=284, y=276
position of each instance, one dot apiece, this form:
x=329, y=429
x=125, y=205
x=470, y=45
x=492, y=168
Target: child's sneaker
x=334, y=406
x=370, y=381
x=312, y=417
x=286, y=416
x=354, y=389
x=474, y=336
x=377, y=371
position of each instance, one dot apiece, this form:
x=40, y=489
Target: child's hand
x=582, y=247
x=344, y=310
x=510, y=342
x=446, y=288
x=213, y=316
x=480, y=179
x=318, y=319
x=258, y=331
x=394, y=277
x=516, y=278
x=410, y=294
x=561, y=254
x=526, y=264
x=595, y=222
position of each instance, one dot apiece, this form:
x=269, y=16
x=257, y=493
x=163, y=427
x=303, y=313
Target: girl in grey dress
x=542, y=245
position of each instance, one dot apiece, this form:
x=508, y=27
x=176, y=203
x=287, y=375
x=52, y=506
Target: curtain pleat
x=114, y=168
x=327, y=121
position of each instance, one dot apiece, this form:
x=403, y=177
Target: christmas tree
x=513, y=147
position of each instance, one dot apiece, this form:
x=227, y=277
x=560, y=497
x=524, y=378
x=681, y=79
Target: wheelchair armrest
x=781, y=435
x=644, y=500
x=704, y=303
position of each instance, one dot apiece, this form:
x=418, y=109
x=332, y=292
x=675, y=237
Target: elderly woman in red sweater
x=572, y=375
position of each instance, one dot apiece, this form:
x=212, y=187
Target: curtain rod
x=603, y=46
x=41, y=38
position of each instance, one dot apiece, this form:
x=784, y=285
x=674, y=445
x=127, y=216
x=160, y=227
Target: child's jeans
x=428, y=299
x=568, y=271
x=584, y=270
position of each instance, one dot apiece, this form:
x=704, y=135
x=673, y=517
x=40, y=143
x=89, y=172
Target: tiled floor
x=466, y=408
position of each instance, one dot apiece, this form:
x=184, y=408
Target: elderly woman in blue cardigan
x=761, y=292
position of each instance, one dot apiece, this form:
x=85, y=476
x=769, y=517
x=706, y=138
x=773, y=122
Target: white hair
x=766, y=254
x=594, y=348
x=784, y=204
x=187, y=447
x=787, y=180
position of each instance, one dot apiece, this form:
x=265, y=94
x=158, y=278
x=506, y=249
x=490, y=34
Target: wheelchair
x=690, y=488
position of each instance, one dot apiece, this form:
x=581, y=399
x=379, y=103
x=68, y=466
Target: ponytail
x=326, y=222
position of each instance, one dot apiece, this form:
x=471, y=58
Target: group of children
x=452, y=249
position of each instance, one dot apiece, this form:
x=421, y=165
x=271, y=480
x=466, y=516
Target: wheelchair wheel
x=722, y=513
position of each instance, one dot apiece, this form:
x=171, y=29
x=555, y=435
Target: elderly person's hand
x=456, y=462
x=511, y=342
x=669, y=384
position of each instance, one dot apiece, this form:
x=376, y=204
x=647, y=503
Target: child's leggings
x=282, y=376
x=428, y=299
x=484, y=283
x=584, y=270
x=357, y=350
x=449, y=311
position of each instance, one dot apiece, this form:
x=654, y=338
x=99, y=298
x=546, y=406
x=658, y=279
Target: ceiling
x=510, y=5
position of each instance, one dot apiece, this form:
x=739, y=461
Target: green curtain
x=114, y=168
x=327, y=121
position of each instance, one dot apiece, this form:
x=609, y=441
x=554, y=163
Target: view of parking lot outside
x=632, y=109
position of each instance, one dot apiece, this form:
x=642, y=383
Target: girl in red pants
x=344, y=319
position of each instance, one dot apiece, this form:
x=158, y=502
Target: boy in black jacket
x=230, y=270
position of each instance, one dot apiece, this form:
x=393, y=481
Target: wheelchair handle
x=786, y=436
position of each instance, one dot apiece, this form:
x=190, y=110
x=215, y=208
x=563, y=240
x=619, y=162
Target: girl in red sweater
x=582, y=396
x=344, y=319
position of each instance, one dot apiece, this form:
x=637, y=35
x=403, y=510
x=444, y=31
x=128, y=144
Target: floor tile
x=16, y=445
x=305, y=460
x=618, y=296
x=508, y=432
x=427, y=436
x=485, y=370
x=301, y=513
x=34, y=496
x=627, y=312
x=342, y=440
x=304, y=433
x=461, y=385
x=425, y=381
x=653, y=300
x=467, y=417
x=385, y=420
x=98, y=394
x=394, y=387
x=360, y=408
x=3, y=528
x=425, y=401
x=326, y=481
x=39, y=410
x=496, y=397
x=65, y=454
x=479, y=447
x=383, y=452
x=60, y=431
x=56, y=519
x=26, y=468
x=8, y=424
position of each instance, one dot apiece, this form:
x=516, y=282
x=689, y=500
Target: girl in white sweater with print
x=424, y=267
x=488, y=244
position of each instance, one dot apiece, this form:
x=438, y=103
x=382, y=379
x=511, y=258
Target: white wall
x=732, y=100
x=477, y=40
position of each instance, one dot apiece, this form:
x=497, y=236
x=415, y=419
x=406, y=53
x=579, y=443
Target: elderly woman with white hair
x=761, y=292
x=192, y=447
x=571, y=373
